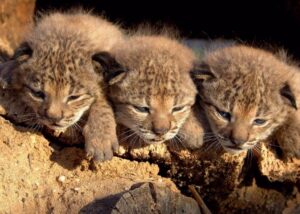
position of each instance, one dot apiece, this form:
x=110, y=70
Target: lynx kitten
x=54, y=71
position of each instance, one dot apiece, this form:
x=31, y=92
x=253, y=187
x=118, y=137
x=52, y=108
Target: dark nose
x=160, y=131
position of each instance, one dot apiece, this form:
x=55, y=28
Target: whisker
x=209, y=138
x=180, y=141
x=39, y=126
x=134, y=141
x=210, y=146
x=220, y=147
x=181, y=135
x=125, y=132
x=256, y=148
x=176, y=144
x=78, y=127
x=127, y=137
x=272, y=145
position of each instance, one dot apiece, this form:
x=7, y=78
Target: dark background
x=262, y=23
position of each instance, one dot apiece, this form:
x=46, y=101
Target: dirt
x=45, y=175
x=35, y=176
x=15, y=19
x=39, y=173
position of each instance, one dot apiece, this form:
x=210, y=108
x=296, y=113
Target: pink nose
x=54, y=117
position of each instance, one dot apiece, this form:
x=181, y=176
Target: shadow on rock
x=145, y=198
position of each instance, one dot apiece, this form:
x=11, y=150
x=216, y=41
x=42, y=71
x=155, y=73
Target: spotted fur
x=54, y=71
x=246, y=95
x=153, y=99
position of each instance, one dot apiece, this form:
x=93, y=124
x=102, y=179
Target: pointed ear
x=112, y=71
x=7, y=70
x=202, y=72
x=23, y=52
x=4, y=56
x=288, y=96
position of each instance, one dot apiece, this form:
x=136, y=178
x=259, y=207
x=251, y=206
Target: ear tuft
x=9, y=67
x=112, y=71
x=7, y=70
x=288, y=96
x=202, y=72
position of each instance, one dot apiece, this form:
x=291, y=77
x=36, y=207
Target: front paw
x=100, y=147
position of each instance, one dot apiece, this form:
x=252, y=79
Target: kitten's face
x=154, y=107
x=155, y=121
x=241, y=120
x=243, y=109
x=56, y=91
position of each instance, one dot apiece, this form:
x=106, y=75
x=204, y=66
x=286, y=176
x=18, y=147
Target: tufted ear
x=23, y=52
x=288, y=96
x=4, y=56
x=202, y=72
x=112, y=71
x=6, y=72
x=9, y=66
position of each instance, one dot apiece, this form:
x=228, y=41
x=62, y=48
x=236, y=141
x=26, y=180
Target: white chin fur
x=152, y=140
x=238, y=150
x=234, y=151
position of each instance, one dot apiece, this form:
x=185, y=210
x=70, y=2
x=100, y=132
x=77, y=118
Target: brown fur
x=154, y=98
x=195, y=131
x=288, y=136
x=55, y=74
x=239, y=85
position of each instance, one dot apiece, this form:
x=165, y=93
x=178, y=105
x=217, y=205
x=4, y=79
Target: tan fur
x=158, y=79
x=195, y=131
x=59, y=82
x=241, y=84
x=94, y=32
x=5, y=50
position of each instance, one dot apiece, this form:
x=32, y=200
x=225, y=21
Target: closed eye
x=142, y=109
x=259, y=122
x=224, y=114
x=37, y=93
x=178, y=108
x=73, y=97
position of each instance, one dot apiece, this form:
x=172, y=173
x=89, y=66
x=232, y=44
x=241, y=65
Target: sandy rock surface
x=15, y=19
x=35, y=175
x=40, y=173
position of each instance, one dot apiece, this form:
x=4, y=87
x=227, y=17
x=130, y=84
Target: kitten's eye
x=142, y=109
x=179, y=108
x=259, y=122
x=37, y=94
x=73, y=97
x=224, y=114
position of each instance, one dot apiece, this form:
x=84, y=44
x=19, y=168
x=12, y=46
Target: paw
x=100, y=148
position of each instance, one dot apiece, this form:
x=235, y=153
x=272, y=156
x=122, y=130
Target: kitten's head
x=59, y=84
x=154, y=97
x=245, y=95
